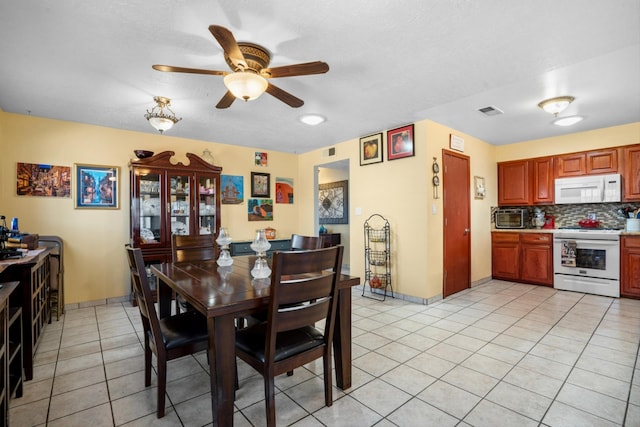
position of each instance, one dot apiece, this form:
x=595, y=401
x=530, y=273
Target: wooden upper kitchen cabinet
x=574, y=164
x=526, y=182
x=630, y=266
x=595, y=162
x=602, y=161
x=543, y=185
x=631, y=173
x=514, y=183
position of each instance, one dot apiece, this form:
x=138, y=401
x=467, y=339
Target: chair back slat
x=143, y=293
x=305, y=243
x=193, y=248
x=302, y=315
x=315, y=288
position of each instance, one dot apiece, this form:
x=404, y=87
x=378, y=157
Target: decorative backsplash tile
x=569, y=215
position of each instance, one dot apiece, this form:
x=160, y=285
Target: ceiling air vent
x=490, y=111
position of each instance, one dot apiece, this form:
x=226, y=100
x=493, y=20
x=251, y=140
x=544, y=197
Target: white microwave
x=588, y=189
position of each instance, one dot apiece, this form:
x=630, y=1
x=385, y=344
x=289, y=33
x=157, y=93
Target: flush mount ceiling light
x=556, y=105
x=245, y=85
x=158, y=118
x=567, y=121
x=312, y=119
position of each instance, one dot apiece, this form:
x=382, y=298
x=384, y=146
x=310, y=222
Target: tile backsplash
x=569, y=215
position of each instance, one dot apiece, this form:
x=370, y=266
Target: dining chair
x=304, y=286
x=193, y=248
x=168, y=338
x=56, y=272
x=188, y=248
x=300, y=242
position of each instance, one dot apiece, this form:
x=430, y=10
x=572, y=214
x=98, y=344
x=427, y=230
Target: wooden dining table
x=223, y=294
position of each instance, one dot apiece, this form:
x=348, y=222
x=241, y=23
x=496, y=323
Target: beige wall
x=400, y=190
x=94, y=239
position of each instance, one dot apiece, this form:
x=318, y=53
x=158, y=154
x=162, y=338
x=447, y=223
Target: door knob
x=466, y=231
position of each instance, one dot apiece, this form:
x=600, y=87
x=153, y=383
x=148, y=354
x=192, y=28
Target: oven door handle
x=592, y=242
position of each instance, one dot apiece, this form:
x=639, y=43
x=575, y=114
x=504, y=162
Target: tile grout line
x=574, y=364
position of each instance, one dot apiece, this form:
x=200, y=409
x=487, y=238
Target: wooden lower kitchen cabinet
x=536, y=253
x=522, y=257
x=630, y=266
x=505, y=255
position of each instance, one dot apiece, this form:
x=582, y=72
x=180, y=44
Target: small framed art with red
x=400, y=143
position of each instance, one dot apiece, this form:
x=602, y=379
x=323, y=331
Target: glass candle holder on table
x=223, y=240
x=261, y=245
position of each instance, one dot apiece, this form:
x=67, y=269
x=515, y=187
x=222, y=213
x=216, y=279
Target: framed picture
x=97, y=187
x=232, y=189
x=400, y=143
x=480, y=190
x=333, y=203
x=371, y=149
x=260, y=184
x=261, y=158
x=456, y=143
x=284, y=190
x=260, y=209
x=43, y=180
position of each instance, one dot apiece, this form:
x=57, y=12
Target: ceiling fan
x=248, y=78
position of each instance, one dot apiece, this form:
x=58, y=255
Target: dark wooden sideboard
x=330, y=239
x=33, y=274
x=10, y=348
x=243, y=247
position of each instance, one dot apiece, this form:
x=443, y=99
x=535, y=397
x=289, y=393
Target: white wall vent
x=490, y=111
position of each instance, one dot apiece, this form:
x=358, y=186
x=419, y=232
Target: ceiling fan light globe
x=246, y=85
x=161, y=123
x=160, y=119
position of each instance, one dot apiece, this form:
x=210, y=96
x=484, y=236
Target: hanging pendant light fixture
x=556, y=105
x=245, y=85
x=158, y=118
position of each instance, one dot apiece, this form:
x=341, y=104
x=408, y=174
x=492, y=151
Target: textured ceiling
x=391, y=63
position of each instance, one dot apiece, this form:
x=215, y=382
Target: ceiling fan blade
x=317, y=67
x=284, y=96
x=226, y=100
x=229, y=45
x=172, y=69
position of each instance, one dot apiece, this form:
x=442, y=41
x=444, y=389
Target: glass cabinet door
x=207, y=205
x=150, y=204
x=180, y=203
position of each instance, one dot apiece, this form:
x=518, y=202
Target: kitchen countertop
x=523, y=230
x=550, y=230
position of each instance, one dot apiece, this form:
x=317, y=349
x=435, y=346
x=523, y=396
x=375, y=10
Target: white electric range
x=587, y=260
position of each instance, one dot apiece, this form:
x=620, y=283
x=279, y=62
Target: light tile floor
x=499, y=354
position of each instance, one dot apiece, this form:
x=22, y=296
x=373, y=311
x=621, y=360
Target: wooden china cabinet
x=172, y=198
